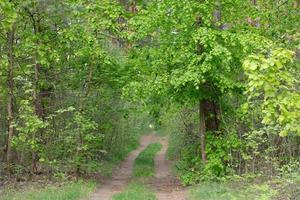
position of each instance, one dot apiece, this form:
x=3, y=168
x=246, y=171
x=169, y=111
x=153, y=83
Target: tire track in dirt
x=165, y=184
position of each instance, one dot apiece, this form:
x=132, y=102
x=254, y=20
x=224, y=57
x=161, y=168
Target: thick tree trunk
x=133, y=8
x=209, y=115
x=10, y=85
x=202, y=129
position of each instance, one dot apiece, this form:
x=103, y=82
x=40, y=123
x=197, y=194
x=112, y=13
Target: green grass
x=280, y=188
x=232, y=191
x=135, y=192
x=144, y=163
x=69, y=191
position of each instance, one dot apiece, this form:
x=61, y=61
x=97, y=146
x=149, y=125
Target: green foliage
x=28, y=125
x=135, y=192
x=83, y=140
x=69, y=54
x=7, y=14
x=96, y=73
x=193, y=55
x=144, y=163
x=272, y=83
x=220, y=150
x=196, y=59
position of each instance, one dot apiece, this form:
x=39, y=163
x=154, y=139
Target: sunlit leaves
x=187, y=47
x=8, y=14
x=28, y=124
x=273, y=85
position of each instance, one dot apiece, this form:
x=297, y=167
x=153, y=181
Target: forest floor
x=164, y=183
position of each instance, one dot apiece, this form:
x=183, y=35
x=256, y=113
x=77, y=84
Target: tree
x=10, y=88
x=190, y=57
x=8, y=25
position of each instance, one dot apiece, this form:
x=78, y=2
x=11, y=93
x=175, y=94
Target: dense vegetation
x=61, y=82
x=81, y=80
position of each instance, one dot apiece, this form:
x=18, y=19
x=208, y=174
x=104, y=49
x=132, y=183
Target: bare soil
x=166, y=186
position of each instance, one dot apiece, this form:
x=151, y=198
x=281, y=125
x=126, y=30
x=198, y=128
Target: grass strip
x=144, y=163
x=135, y=192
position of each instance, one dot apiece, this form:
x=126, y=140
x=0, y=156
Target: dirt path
x=122, y=175
x=166, y=186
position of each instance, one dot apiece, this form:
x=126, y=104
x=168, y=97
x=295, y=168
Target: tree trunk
x=36, y=92
x=10, y=85
x=38, y=110
x=133, y=8
x=296, y=3
x=209, y=115
x=202, y=129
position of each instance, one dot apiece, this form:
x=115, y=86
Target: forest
x=149, y=99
